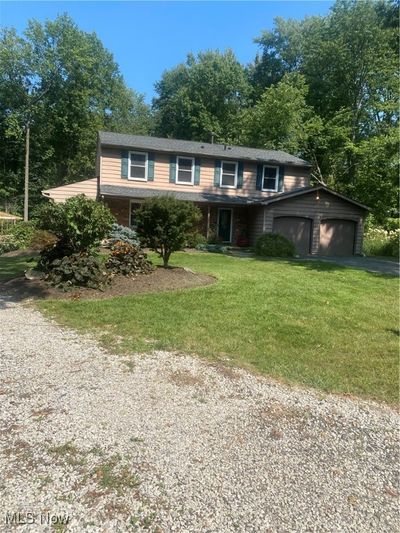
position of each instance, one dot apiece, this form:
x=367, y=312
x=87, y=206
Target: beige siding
x=60, y=194
x=110, y=173
x=327, y=206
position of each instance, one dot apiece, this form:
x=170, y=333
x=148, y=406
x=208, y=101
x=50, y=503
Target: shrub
x=274, y=245
x=22, y=233
x=42, y=239
x=378, y=241
x=213, y=248
x=127, y=259
x=213, y=237
x=120, y=233
x=6, y=245
x=78, y=269
x=79, y=223
x=195, y=239
x=164, y=224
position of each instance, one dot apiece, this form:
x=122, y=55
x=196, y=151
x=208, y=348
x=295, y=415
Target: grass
x=12, y=267
x=314, y=323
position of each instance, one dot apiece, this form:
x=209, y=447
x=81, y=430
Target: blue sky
x=147, y=38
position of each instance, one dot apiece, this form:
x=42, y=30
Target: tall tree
x=281, y=119
x=349, y=60
x=201, y=96
x=81, y=92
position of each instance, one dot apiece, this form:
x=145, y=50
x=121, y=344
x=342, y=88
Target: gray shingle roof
x=137, y=192
x=197, y=148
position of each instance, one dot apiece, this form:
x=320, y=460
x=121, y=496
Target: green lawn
x=312, y=323
x=12, y=267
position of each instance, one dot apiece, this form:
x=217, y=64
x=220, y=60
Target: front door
x=225, y=224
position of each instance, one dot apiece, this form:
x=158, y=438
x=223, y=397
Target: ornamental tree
x=164, y=224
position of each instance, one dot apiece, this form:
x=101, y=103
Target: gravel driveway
x=167, y=442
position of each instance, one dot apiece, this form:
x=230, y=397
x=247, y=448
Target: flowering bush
x=128, y=260
x=378, y=241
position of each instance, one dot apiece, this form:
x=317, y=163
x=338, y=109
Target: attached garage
x=298, y=230
x=317, y=220
x=337, y=237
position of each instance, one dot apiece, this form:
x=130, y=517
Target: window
x=229, y=174
x=184, y=170
x=132, y=214
x=270, y=178
x=138, y=166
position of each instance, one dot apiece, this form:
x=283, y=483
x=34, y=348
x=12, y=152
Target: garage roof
x=306, y=190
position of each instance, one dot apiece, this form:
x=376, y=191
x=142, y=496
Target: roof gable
x=307, y=190
x=222, y=151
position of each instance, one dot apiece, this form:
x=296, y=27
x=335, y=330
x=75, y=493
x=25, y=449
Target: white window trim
x=226, y=209
x=222, y=172
x=133, y=201
x=177, y=170
x=146, y=166
x=276, y=178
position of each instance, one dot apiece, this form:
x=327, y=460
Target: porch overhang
x=197, y=197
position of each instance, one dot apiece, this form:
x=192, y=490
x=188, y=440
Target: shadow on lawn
x=323, y=266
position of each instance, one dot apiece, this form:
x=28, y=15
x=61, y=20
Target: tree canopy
x=68, y=86
x=324, y=88
x=201, y=97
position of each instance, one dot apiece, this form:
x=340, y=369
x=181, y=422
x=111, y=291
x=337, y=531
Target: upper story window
x=138, y=166
x=185, y=170
x=229, y=172
x=270, y=178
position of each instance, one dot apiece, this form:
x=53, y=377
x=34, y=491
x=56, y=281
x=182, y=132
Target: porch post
x=208, y=220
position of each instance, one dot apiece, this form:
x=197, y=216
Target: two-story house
x=242, y=192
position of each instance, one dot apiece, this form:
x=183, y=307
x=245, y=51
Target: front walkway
x=167, y=442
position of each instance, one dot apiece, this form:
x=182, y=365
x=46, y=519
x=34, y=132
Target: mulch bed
x=160, y=280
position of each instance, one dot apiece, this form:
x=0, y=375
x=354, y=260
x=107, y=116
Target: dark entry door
x=297, y=230
x=225, y=225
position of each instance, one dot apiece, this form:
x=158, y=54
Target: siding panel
x=60, y=194
x=295, y=177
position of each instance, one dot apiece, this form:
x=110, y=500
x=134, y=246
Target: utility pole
x=26, y=192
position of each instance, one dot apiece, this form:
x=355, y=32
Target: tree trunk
x=26, y=192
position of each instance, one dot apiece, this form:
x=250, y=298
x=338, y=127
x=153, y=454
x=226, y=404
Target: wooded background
x=324, y=88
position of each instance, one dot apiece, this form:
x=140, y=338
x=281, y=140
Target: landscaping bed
x=161, y=279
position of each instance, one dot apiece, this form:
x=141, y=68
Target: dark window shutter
x=217, y=173
x=124, y=164
x=150, y=167
x=172, y=168
x=259, y=177
x=240, y=175
x=197, y=166
x=280, y=180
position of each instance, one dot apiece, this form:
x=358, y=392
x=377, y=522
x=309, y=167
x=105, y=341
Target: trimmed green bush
x=274, y=245
x=195, y=239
